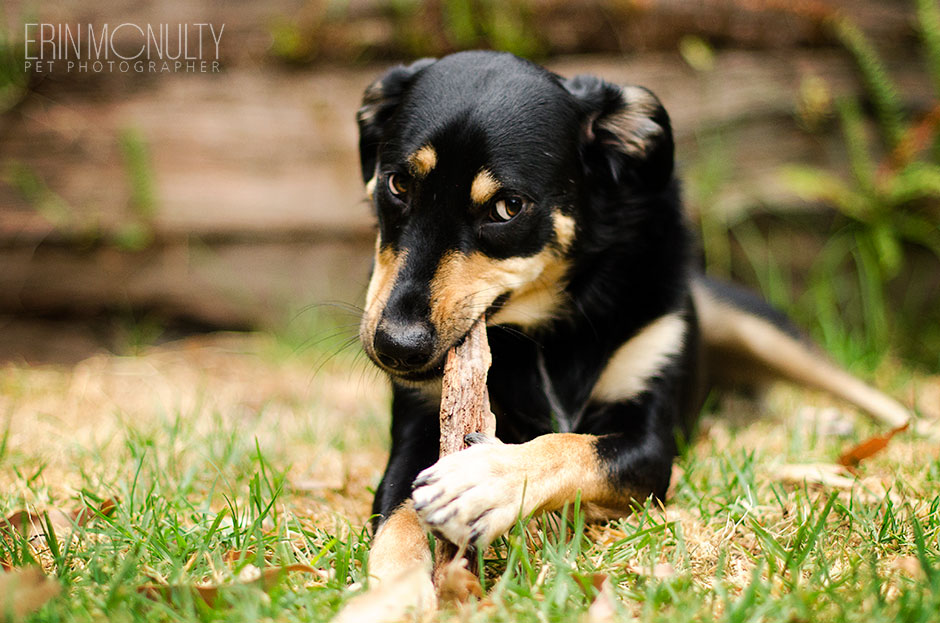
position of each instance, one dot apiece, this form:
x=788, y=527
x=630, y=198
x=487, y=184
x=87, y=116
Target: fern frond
x=857, y=144
x=928, y=17
x=882, y=89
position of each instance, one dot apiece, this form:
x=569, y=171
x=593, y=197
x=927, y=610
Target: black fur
x=547, y=139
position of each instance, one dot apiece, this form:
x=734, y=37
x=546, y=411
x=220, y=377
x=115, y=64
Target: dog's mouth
x=435, y=369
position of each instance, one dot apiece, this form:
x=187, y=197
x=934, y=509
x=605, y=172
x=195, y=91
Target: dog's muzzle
x=403, y=347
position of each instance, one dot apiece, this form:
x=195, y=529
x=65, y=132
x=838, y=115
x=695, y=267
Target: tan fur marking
x=557, y=466
x=465, y=286
x=484, y=186
x=423, y=161
x=640, y=358
x=370, y=188
x=753, y=349
x=632, y=124
x=387, y=266
x=490, y=484
x=537, y=301
x=400, y=587
x=399, y=544
x=564, y=230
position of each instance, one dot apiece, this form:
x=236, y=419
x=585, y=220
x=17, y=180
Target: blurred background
x=139, y=207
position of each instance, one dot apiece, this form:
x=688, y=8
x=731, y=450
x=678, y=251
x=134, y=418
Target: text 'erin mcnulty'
x=127, y=47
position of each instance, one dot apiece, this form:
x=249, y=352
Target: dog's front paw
x=473, y=496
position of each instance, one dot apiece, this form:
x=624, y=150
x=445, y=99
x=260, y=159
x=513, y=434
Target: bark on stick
x=465, y=409
x=465, y=401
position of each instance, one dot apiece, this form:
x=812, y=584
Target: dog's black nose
x=403, y=346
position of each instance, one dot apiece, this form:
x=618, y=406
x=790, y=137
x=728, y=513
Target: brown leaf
x=24, y=591
x=33, y=524
x=271, y=576
x=587, y=581
x=456, y=584
x=209, y=592
x=604, y=607
x=165, y=592
x=83, y=515
x=873, y=445
x=234, y=555
x=406, y=597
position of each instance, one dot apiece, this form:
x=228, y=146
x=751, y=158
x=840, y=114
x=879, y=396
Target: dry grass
x=71, y=421
x=206, y=422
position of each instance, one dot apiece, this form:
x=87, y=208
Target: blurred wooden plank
x=304, y=31
x=258, y=197
x=223, y=285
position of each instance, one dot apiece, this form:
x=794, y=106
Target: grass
x=228, y=453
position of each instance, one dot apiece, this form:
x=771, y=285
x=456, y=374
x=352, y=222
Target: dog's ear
x=379, y=103
x=626, y=135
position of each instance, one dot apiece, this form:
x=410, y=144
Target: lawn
x=228, y=478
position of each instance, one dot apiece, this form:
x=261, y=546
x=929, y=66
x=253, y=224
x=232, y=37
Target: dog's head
x=478, y=166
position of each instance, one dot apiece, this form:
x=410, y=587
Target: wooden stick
x=465, y=401
x=465, y=409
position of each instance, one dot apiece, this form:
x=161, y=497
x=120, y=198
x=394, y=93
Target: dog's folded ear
x=627, y=136
x=379, y=103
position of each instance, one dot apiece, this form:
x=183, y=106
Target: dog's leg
x=475, y=495
x=400, y=587
x=399, y=544
x=400, y=541
x=400, y=560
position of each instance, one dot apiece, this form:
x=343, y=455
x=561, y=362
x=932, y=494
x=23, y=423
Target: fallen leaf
x=105, y=509
x=456, y=583
x=209, y=591
x=234, y=555
x=33, y=524
x=604, y=607
x=867, y=448
x=589, y=581
x=25, y=590
x=408, y=596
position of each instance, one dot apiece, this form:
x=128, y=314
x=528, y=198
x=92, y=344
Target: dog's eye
x=397, y=185
x=506, y=209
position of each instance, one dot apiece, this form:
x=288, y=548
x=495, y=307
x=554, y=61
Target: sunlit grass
x=232, y=454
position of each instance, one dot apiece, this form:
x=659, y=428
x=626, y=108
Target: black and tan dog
x=549, y=206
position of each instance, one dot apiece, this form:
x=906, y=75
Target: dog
x=549, y=207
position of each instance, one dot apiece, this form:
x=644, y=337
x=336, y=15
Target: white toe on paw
x=472, y=496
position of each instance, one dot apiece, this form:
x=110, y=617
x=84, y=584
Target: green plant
x=137, y=233
x=890, y=204
x=14, y=79
x=34, y=190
